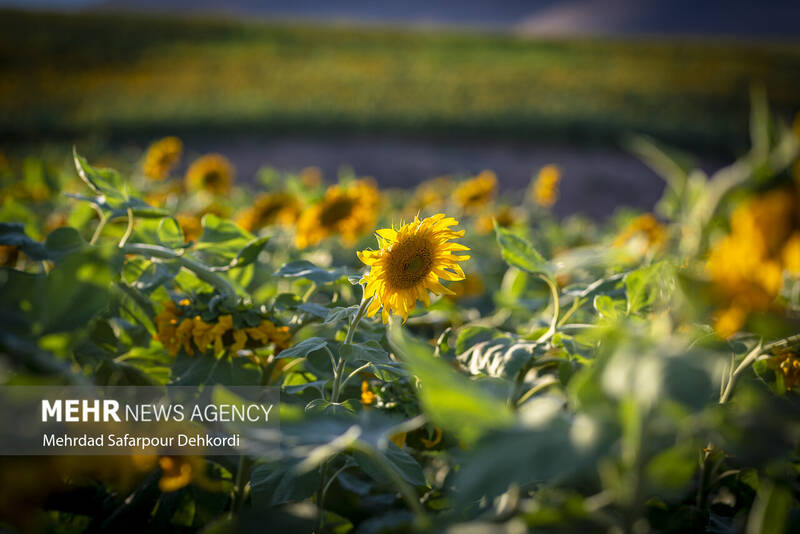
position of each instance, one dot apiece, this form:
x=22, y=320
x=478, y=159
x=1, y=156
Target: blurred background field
x=371, y=88
x=75, y=74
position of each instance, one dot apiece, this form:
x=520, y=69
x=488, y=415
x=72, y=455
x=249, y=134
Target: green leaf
x=471, y=335
x=249, y=253
x=450, y=399
x=304, y=348
x=63, y=241
x=170, y=234
x=642, y=286
x=552, y=450
x=106, y=182
x=501, y=357
x=770, y=511
x=519, y=253
x=222, y=239
x=13, y=234
x=609, y=308
x=276, y=483
x=370, y=351
x=401, y=461
x=309, y=271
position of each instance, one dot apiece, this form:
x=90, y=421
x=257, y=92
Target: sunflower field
x=451, y=357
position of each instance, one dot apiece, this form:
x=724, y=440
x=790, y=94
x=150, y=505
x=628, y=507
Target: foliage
x=578, y=377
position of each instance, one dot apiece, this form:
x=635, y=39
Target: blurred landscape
x=397, y=101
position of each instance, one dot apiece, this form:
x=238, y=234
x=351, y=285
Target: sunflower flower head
x=647, y=229
x=367, y=396
x=161, y=158
x=410, y=262
x=746, y=266
x=212, y=173
x=346, y=210
x=268, y=209
x=430, y=195
x=545, y=188
x=504, y=216
x=474, y=194
x=190, y=225
x=787, y=365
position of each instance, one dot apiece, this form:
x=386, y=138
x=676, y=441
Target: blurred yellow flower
x=437, y=437
x=212, y=173
x=646, y=226
x=475, y=193
x=268, y=209
x=161, y=158
x=190, y=225
x=409, y=263
x=431, y=195
x=545, y=188
x=790, y=255
x=348, y=211
x=504, y=216
x=367, y=396
x=179, y=471
x=788, y=365
x=471, y=286
x=745, y=266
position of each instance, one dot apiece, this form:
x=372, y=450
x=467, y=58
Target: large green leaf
x=451, y=400
x=519, y=253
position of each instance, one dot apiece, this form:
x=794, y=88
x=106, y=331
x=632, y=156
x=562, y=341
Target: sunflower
x=270, y=208
x=349, y=211
x=409, y=263
x=161, y=158
x=746, y=266
x=475, y=193
x=430, y=195
x=190, y=225
x=504, y=216
x=545, y=188
x=212, y=173
x=646, y=228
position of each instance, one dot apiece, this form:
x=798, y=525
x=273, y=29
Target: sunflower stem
x=201, y=271
x=556, y=309
x=128, y=230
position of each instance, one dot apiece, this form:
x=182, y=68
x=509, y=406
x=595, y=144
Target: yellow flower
x=409, y=263
x=504, y=216
x=270, y=208
x=399, y=439
x=367, y=396
x=267, y=332
x=788, y=365
x=190, y=225
x=790, y=255
x=545, y=188
x=212, y=173
x=648, y=227
x=470, y=286
x=729, y=321
x=475, y=193
x=349, y=211
x=179, y=471
x=437, y=437
x=430, y=195
x=745, y=266
x=161, y=158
